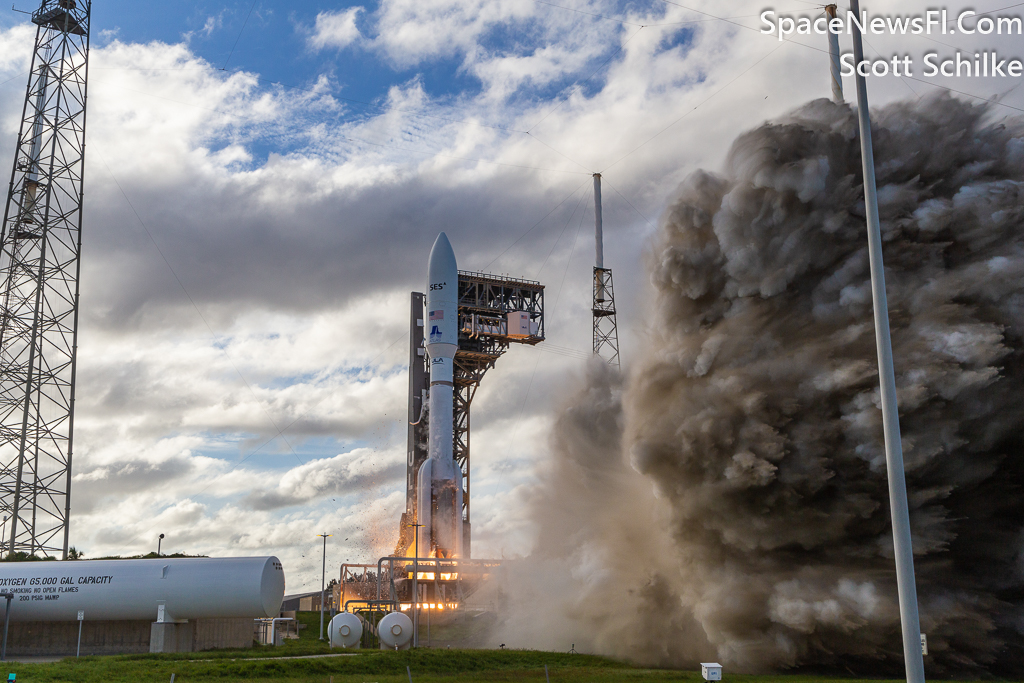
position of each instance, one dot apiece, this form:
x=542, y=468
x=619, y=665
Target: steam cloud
x=730, y=501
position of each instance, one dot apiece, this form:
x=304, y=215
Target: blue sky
x=273, y=42
x=297, y=223
x=268, y=39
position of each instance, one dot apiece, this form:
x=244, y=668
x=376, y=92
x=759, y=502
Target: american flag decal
x=437, y=315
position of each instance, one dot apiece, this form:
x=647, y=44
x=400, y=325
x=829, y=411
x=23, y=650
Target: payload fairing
x=439, y=481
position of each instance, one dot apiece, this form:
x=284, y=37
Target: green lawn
x=363, y=666
x=270, y=664
x=461, y=666
x=426, y=665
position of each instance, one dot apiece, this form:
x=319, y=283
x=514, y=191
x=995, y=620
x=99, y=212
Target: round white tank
x=395, y=631
x=164, y=589
x=345, y=630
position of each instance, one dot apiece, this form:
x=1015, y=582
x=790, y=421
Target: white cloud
x=335, y=29
x=212, y=24
x=12, y=59
x=298, y=227
x=410, y=32
x=331, y=476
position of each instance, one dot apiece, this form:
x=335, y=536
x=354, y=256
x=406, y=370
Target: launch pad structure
x=389, y=587
x=491, y=313
x=437, y=588
x=494, y=312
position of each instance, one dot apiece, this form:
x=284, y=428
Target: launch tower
x=606, y=331
x=493, y=313
x=40, y=244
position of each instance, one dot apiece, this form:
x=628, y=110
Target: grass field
x=270, y=664
x=426, y=666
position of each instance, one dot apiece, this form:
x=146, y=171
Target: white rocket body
x=439, y=492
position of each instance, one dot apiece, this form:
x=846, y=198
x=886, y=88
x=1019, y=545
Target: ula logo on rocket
x=435, y=330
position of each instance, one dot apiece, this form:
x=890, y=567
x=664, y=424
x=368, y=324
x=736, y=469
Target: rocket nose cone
x=442, y=258
x=442, y=239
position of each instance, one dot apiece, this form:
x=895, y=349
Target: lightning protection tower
x=40, y=243
x=835, y=72
x=606, y=333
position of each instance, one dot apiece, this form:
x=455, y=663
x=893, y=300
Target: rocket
x=439, y=481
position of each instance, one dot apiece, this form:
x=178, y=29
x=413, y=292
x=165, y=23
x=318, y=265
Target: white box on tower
x=519, y=324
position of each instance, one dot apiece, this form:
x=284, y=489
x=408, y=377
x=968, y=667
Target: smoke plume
x=730, y=500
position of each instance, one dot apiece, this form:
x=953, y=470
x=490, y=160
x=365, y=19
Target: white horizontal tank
x=164, y=589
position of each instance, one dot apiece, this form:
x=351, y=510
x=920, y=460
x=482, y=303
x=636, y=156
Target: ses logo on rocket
x=435, y=330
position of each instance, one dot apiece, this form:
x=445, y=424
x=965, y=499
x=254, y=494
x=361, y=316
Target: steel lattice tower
x=606, y=330
x=40, y=243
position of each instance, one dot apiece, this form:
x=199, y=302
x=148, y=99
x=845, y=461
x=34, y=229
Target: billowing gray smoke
x=733, y=504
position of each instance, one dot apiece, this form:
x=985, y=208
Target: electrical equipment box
x=712, y=671
x=519, y=324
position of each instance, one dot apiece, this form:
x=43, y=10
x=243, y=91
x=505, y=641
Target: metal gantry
x=40, y=244
x=606, y=330
x=494, y=312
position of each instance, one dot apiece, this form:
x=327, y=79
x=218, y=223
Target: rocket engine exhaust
x=730, y=501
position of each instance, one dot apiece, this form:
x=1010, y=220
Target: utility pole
x=323, y=580
x=606, y=334
x=40, y=245
x=415, y=586
x=899, y=508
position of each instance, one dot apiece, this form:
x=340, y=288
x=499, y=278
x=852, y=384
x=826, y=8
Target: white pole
x=887, y=384
x=323, y=580
x=81, y=616
x=833, y=54
x=598, y=222
x=416, y=588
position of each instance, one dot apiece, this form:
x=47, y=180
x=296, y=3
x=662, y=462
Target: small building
x=310, y=602
x=302, y=602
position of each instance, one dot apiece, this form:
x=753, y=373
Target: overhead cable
x=251, y=8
